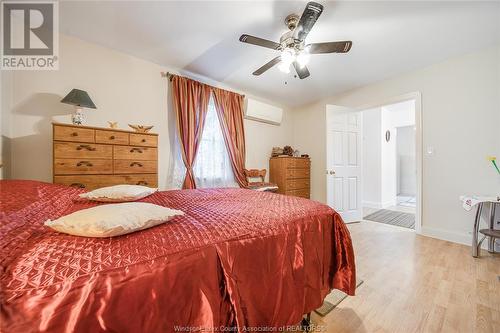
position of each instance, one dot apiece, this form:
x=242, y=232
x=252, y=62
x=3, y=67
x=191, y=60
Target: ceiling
x=389, y=38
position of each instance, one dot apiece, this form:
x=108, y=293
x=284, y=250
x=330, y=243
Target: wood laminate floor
x=414, y=283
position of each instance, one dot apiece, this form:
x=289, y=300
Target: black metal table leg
x=477, y=221
x=491, y=240
x=305, y=324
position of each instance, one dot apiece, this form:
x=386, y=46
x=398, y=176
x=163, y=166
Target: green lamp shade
x=79, y=98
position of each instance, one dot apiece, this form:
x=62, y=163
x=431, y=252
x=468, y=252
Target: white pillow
x=119, y=193
x=113, y=219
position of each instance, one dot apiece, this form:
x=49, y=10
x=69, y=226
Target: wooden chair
x=262, y=185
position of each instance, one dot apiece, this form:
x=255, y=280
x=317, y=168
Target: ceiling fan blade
x=331, y=47
x=259, y=42
x=267, y=66
x=309, y=17
x=302, y=72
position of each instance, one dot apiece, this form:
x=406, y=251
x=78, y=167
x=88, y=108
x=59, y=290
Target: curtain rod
x=167, y=75
x=170, y=76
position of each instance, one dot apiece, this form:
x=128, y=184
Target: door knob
x=332, y=172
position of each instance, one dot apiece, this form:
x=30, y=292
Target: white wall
x=406, y=159
x=5, y=134
x=124, y=88
x=401, y=114
x=392, y=117
x=388, y=153
x=461, y=115
x=262, y=137
x=372, y=158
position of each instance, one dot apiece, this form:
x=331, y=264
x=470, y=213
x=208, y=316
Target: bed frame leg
x=305, y=324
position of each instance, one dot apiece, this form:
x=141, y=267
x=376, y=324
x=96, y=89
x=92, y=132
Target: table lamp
x=80, y=99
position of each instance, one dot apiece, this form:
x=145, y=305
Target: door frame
x=417, y=97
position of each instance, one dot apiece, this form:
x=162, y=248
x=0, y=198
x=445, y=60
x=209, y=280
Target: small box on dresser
x=291, y=174
x=93, y=157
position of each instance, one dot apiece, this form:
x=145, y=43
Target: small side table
x=468, y=203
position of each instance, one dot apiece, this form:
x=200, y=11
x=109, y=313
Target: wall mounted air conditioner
x=259, y=111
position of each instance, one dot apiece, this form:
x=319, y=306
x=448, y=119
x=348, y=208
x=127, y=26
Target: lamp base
x=77, y=117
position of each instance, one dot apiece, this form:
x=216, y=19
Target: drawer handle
x=112, y=137
x=136, y=163
x=87, y=147
x=85, y=163
x=139, y=150
x=142, y=182
x=74, y=134
x=80, y=185
x=143, y=140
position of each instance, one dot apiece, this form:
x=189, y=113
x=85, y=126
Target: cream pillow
x=119, y=193
x=113, y=219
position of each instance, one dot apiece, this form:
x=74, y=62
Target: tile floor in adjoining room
x=405, y=204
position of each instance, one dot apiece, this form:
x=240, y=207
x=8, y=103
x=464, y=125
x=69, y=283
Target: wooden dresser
x=92, y=157
x=291, y=174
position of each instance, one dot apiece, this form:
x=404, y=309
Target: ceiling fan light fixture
x=292, y=44
x=284, y=67
x=287, y=56
x=303, y=58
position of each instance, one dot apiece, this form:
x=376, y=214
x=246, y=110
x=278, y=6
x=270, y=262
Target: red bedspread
x=236, y=258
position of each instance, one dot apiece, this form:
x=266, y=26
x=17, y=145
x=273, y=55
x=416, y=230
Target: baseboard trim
x=372, y=204
x=379, y=205
x=446, y=235
x=388, y=204
x=455, y=237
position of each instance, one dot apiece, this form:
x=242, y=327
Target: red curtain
x=229, y=108
x=190, y=102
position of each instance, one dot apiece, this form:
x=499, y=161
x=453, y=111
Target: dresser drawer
x=298, y=163
x=82, y=150
x=70, y=166
x=304, y=193
x=135, y=153
x=67, y=133
x=111, y=137
x=150, y=180
x=296, y=184
x=91, y=182
x=143, y=140
x=131, y=166
x=297, y=173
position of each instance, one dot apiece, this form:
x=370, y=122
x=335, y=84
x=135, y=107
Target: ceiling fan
x=292, y=44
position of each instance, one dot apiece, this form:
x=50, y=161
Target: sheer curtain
x=212, y=167
x=177, y=170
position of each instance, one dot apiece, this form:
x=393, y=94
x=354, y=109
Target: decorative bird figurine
x=113, y=124
x=141, y=128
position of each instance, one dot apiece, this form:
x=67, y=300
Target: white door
x=343, y=162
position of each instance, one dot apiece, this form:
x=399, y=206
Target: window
x=212, y=167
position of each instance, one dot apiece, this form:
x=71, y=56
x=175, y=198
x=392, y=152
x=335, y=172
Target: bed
x=236, y=259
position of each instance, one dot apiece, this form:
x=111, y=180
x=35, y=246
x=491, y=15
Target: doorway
x=374, y=161
x=389, y=164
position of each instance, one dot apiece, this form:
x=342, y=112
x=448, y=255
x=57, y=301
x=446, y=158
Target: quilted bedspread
x=237, y=258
